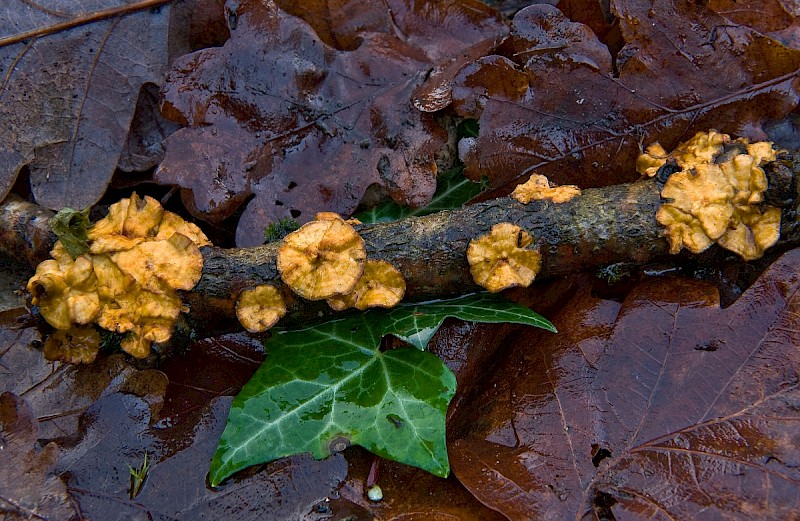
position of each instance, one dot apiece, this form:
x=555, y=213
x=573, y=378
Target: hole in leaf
x=599, y=454
x=292, y=184
x=603, y=502
x=708, y=346
x=278, y=203
x=395, y=420
x=295, y=213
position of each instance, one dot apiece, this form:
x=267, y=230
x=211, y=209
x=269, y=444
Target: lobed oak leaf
x=278, y=114
x=554, y=99
x=68, y=97
x=662, y=407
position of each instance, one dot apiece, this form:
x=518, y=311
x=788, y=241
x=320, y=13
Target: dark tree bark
x=599, y=227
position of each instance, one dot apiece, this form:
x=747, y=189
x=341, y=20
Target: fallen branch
x=598, y=227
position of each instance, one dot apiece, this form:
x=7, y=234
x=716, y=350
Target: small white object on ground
x=375, y=493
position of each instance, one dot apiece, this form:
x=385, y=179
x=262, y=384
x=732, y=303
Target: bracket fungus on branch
x=381, y=285
x=501, y=259
x=538, y=187
x=260, y=307
x=703, y=147
x=323, y=258
x=138, y=256
x=717, y=196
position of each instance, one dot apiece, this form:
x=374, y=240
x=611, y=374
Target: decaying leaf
x=59, y=393
x=408, y=493
x=551, y=99
x=120, y=425
x=28, y=488
x=663, y=407
x=304, y=127
x=68, y=98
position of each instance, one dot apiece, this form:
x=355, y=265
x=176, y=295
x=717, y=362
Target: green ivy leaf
x=332, y=384
x=417, y=323
x=452, y=191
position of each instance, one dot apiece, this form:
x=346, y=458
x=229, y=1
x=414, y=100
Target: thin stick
x=82, y=20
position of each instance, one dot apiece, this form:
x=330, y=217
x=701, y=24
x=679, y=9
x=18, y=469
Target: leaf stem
x=82, y=20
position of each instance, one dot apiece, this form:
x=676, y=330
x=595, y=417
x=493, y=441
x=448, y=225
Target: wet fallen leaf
x=144, y=147
x=342, y=24
x=208, y=369
x=68, y=97
x=305, y=127
x=118, y=433
x=28, y=488
x=408, y=494
x=453, y=190
x=663, y=407
x=59, y=393
x=554, y=99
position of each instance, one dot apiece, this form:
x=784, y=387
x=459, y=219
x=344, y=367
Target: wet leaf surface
x=344, y=389
x=28, y=487
x=210, y=368
x=453, y=190
x=291, y=121
x=59, y=393
x=554, y=99
x=408, y=494
x=68, y=98
x=662, y=407
x=118, y=434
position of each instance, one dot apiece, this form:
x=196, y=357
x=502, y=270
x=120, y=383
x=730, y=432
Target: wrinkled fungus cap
x=699, y=207
x=145, y=219
x=538, y=187
x=65, y=292
x=703, y=147
x=172, y=223
x=322, y=259
x=754, y=233
x=381, y=285
x=260, y=308
x=500, y=259
x=654, y=157
x=139, y=256
x=147, y=317
x=49, y=292
x=175, y=263
x=718, y=197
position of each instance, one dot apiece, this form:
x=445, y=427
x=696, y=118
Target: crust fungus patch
x=139, y=256
x=322, y=259
x=538, y=187
x=381, y=285
x=718, y=197
x=501, y=259
x=259, y=308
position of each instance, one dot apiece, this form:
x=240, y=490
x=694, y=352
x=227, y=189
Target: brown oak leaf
x=662, y=407
x=28, y=488
x=277, y=114
x=174, y=486
x=554, y=99
x=67, y=98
